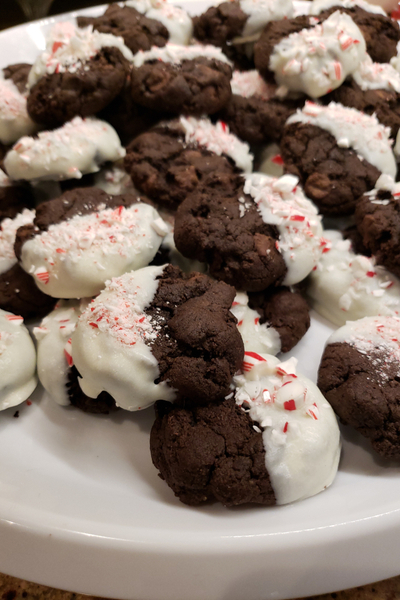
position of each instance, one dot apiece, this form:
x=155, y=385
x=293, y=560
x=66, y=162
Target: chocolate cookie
x=85, y=237
x=18, y=73
x=84, y=90
x=169, y=162
x=219, y=25
x=170, y=335
x=381, y=33
x=103, y=404
x=287, y=312
x=223, y=223
x=385, y=104
x=219, y=457
x=138, y=31
x=378, y=223
x=359, y=376
x=333, y=177
x=13, y=199
x=189, y=80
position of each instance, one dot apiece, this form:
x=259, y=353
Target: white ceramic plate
x=82, y=508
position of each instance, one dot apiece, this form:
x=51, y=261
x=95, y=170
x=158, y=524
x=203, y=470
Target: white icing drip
x=317, y=6
x=249, y=83
x=372, y=336
x=175, y=54
x=348, y=286
x=14, y=119
x=8, y=229
x=258, y=338
x=299, y=429
x=352, y=129
x=377, y=76
x=17, y=361
x=53, y=348
x=69, y=47
x=78, y=147
x=218, y=139
x=281, y=202
x=175, y=19
x=318, y=60
x=110, y=346
x=74, y=258
x=262, y=12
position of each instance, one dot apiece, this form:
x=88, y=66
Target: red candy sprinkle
x=43, y=276
x=278, y=160
x=370, y=273
x=14, y=318
x=289, y=405
x=56, y=46
x=94, y=325
x=285, y=427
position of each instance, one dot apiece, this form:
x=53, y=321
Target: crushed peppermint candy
x=281, y=202
x=377, y=76
x=69, y=47
x=317, y=60
x=176, y=53
x=8, y=230
x=218, y=139
x=249, y=83
x=352, y=129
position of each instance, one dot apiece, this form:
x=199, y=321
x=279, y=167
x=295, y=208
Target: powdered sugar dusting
x=378, y=338
x=69, y=47
x=218, y=139
x=317, y=60
x=80, y=146
x=282, y=203
x=8, y=230
x=176, y=53
x=249, y=83
x=352, y=129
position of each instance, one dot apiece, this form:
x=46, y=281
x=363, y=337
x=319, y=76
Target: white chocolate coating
x=78, y=147
x=74, y=258
x=175, y=19
x=176, y=53
x=262, y=12
x=68, y=47
x=258, y=338
x=282, y=203
x=114, y=181
x=111, y=344
x=317, y=6
x=53, y=338
x=17, y=361
x=377, y=76
x=370, y=336
x=270, y=161
x=218, y=139
x=8, y=229
x=299, y=428
x=249, y=83
x=14, y=119
x=317, y=60
x=346, y=286
x=352, y=129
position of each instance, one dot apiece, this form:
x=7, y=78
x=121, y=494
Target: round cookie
x=338, y=154
x=170, y=161
x=79, y=74
x=374, y=89
x=235, y=25
x=137, y=30
x=273, y=440
x=18, y=292
x=156, y=334
x=253, y=113
x=378, y=223
x=17, y=361
x=78, y=147
x=253, y=231
x=80, y=240
x=190, y=80
x=348, y=286
x=286, y=52
x=359, y=376
x=56, y=371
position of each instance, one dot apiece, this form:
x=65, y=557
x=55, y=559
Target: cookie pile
x=167, y=265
